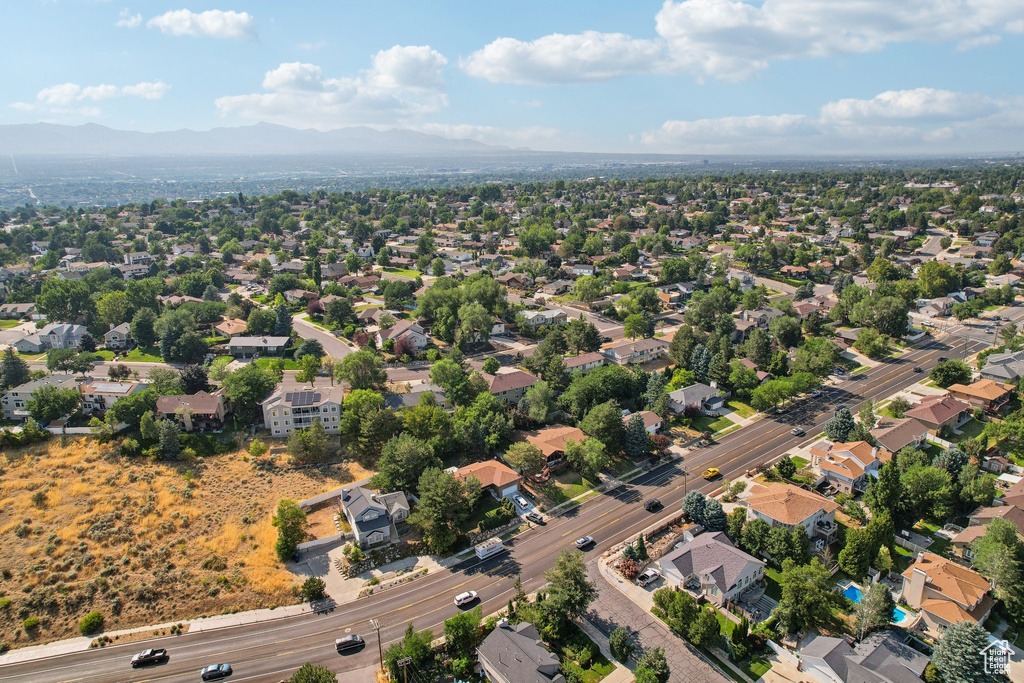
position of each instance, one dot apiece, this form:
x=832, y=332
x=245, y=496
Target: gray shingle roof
x=517, y=653
x=712, y=554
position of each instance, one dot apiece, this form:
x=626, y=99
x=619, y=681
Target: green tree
x=261, y=321
x=65, y=300
x=314, y=588
x=949, y=372
x=807, y=597
x=693, y=506
x=309, y=369
x=169, y=439
x=540, y=401
x=462, y=633
x=785, y=467
x=714, y=516
x=452, y=377
x=636, y=442
x=445, y=502
x=756, y=535
x=734, y=528
x=142, y=327
x=403, y=460
x=958, y=655
x=290, y=521
x=282, y=321
x=569, y=592
x=704, y=631
x=588, y=456
x=247, y=387
x=491, y=365
x=999, y=555
x=148, y=428
x=604, y=423
x=308, y=445
x=415, y=646
x=681, y=347
x=313, y=673
x=928, y=492
x=871, y=343
x=840, y=426
x=874, y=611
x=525, y=458
x=885, y=494
x=363, y=369
x=621, y=645
x=653, y=661
x=678, y=609
x=856, y=555
x=13, y=369
x=50, y=403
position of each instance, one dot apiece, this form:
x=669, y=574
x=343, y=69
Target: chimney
x=913, y=590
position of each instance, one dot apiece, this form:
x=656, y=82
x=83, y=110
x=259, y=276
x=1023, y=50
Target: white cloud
x=66, y=94
x=312, y=45
x=535, y=137
x=736, y=39
x=403, y=83
x=154, y=90
x=558, y=58
x=212, y=23
x=128, y=20
x=922, y=120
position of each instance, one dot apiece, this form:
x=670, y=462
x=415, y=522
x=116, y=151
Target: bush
x=313, y=588
x=629, y=569
x=30, y=624
x=5, y=603
x=215, y=563
x=91, y=623
x=620, y=644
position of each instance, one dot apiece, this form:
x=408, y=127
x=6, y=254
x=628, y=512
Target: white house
x=712, y=567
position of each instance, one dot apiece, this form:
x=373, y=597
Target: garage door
x=510, y=491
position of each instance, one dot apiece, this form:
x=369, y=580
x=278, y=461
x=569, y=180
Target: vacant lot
x=142, y=542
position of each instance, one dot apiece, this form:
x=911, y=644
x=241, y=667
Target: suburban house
x=879, y=658
x=797, y=272
x=62, y=335
x=497, y=478
x=14, y=400
x=848, y=466
x=791, y=506
x=978, y=522
x=652, y=421
x=945, y=593
x=545, y=317
x=230, y=327
x=584, y=269
x=515, y=654
x=557, y=287
x=509, y=385
x=292, y=408
x=711, y=566
x=135, y=258
x=936, y=412
x=17, y=311
x=412, y=397
x=584, y=362
x=636, y=353
x=1004, y=367
x=551, y=440
x=892, y=434
x=194, y=412
x=404, y=329
x=987, y=394
x=118, y=337
x=371, y=515
x=99, y=395
x=701, y=397
x=252, y=347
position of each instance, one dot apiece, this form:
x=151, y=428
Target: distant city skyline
x=687, y=76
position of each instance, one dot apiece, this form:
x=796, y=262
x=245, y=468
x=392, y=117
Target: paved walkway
x=611, y=610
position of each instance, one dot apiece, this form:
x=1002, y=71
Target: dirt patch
x=141, y=542
x=321, y=522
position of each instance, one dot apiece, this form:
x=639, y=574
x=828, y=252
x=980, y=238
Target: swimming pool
x=853, y=592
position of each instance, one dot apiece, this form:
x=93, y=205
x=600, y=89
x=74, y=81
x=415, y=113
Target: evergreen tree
x=170, y=446
x=681, y=347
x=719, y=370
x=855, y=556
x=283, y=322
x=840, y=426
x=958, y=656
x=636, y=441
x=700, y=362
x=693, y=506
x=714, y=516
x=13, y=370
x=641, y=549
x=737, y=520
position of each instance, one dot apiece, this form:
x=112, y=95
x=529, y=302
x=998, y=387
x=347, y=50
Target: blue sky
x=687, y=76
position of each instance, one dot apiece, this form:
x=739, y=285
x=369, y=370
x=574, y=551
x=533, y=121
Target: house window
x=274, y=413
x=286, y=412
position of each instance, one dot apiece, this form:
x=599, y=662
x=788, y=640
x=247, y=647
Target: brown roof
x=954, y=582
x=506, y=381
x=230, y=326
x=200, y=403
x=788, y=504
x=551, y=440
x=583, y=359
x=650, y=418
x=490, y=473
x=987, y=389
x=1011, y=513
x=895, y=434
x=937, y=409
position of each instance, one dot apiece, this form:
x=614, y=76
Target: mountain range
x=261, y=138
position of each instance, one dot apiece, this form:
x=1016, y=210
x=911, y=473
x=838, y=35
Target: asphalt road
x=268, y=651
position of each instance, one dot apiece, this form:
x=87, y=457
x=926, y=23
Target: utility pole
x=375, y=625
x=404, y=662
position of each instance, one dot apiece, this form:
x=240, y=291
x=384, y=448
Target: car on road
x=710, y=473
x=534, y=517
x=521, y=502
x=798, y=431
x=215, y=672
x=465, y=598
x=647, y=576
x=352, y=641
x=151, y=656
x=605, y=340
x=652, y=504
x=942, y=359
x=917, y=368
x=584, y=541
x=815, y=393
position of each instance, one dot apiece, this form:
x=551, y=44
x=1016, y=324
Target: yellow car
x=710, y=473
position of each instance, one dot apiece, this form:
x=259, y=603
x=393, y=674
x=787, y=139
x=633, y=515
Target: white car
x=521, y=502
x=465, y=598
x=647, y=576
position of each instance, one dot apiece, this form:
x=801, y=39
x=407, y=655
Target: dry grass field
x=142, y=542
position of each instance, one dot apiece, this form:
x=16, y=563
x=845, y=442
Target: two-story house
x=989, y=395
x=372, y=515
x=62, y=335
x=16, y=398
x=193, y=412
x=118, y=336
x=294, y=407
x=99, y=395
x=791, y=506
x=509, y=385
x=848, y=466
x=404, y=329
x=636, y=353
x=945, y=593
x=936, y=412
x=584, y=362
x=516, y=654
x=711, y=566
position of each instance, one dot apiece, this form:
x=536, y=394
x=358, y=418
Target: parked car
x=652, y=504
x=465, y=598
x=815, y=393
x=710, y=473
x=839, y=370
x=584, y=541
x=798, y=431
x=350, y=642
x=521, y=502
x=647, y=576
x=605, y=340
x=147, y=657
x=534, y=517
x=215, y=672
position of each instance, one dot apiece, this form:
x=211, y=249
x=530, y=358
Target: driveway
x=332, y=345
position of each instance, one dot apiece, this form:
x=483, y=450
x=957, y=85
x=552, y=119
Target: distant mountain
x=261, y=138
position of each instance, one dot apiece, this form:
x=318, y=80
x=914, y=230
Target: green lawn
x=30, y=356
x=289, y=364
x=799, y=462
x=772, y=588
x=599, y=666
x=404, y=272
x=105, y=354
x=740, y=408
x=484, y=509
x=755, y=667
x=705, y=422
x=971, y=430
x=566, y=485
x=8, y=324
x=861, y=369
x=363, y=307
x=150, y=354
x=932, y=449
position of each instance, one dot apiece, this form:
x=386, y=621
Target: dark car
x=353, y=641
x=652, y=504
x=534, y=517
x=147, y=657
x=917, y=368
x=942, y=359
x=215, y=672
x=606, y=339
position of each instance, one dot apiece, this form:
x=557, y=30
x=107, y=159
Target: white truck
x=490, y=547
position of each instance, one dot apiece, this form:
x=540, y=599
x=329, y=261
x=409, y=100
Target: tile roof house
x=848, y=466
x=986, y=394
x=372, y=515
x=945, y=592
x=199, y=411
x=497, y=478
x=712, y=567
x=791, y=506
x=515, y=654
x=551, y=440
x=638, y=352
x=230, y=327
x=936, y=412
x=509, y=385
x=1004, y=367
x=893, y=434
x=879, y=658
x=696, y=396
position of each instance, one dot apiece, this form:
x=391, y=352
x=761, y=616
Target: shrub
x=91, y=623
x=620, y=644
x=215, y=563
x=313, y=588
x=629, y=569
x=30, y=624
x=5, y=603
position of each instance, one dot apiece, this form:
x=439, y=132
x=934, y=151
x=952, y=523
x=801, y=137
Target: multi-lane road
x=268, y=651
